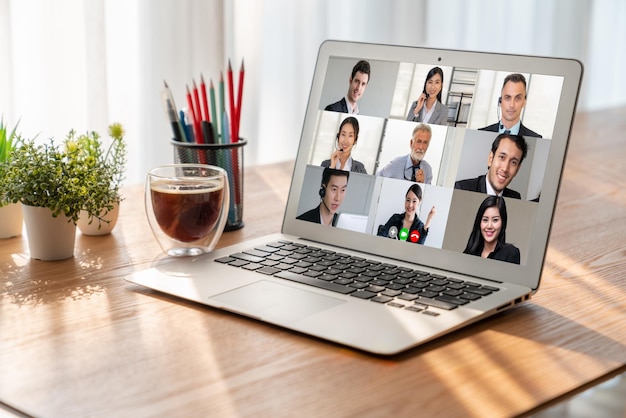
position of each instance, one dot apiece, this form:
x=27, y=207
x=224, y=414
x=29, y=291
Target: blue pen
x=188, y=131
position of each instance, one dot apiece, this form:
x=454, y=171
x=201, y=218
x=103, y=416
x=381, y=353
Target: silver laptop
x=453, y=212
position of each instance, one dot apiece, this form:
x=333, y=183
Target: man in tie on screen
x=412, y=167
x=511, y=102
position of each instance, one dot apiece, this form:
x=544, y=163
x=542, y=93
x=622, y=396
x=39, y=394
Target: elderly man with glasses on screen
x=412, y=167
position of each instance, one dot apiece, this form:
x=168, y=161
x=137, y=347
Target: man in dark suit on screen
x=356, y=87
x=504, y=161
x=511, y=102
x=332, y=192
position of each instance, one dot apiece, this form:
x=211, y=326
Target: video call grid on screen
x=458, y=149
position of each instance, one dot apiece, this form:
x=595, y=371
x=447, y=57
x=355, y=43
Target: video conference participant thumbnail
x=407, y=226
x=412, y=167
x=356, y=87
x=503, y=163
x=332, y=192
x=511, y=102
x=347, y=137
x=488, y=236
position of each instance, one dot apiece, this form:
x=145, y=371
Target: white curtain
x=82, y=64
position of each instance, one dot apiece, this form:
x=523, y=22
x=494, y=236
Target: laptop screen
x=449, y=159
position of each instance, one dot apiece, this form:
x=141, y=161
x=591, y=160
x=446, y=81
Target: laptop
x=430, y=254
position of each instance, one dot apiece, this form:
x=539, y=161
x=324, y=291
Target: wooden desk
x=77, y=340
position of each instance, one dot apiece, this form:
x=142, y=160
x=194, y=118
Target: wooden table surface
x=78, y=340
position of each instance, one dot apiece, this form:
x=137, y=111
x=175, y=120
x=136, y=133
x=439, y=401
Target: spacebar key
x=300, y=278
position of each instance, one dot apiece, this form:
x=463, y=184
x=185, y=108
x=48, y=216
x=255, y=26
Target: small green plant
x=8, y=142
x=105, y=165
x=77, y=175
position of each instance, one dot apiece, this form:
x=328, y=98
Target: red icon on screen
x=415, y=236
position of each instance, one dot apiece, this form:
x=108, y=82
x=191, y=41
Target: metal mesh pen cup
x=230, y=158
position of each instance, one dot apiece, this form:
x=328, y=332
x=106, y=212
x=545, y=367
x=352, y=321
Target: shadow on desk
x=34, y=282
x=528, y=322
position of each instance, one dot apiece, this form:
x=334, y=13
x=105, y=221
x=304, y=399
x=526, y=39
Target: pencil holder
x=227, y=156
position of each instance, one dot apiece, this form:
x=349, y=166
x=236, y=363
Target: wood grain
x=77, y=340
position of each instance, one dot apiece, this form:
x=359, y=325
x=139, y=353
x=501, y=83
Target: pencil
x=192, y=116
x=196, y=127
x=239, y=97
x=231, y=168
x=216, y=137
x=225, y=128
x=197, y=113
x=205, y=103
x=222, y=107
x=231, y=95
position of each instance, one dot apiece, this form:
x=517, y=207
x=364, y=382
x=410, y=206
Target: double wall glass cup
x=187, y=207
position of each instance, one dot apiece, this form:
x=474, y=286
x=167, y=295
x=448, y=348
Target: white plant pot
x=11, y=220
x=105, y=228
x=49, y=238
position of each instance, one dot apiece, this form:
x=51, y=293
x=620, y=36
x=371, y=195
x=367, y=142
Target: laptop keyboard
x=359, y=277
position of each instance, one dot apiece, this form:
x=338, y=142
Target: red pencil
x=195, y=118
x=231, y=94
x=205, y=104
x=192, y=116
x=235, y=112
x=239, y=96
x=196, y=110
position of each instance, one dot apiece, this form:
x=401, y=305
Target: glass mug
x=187, y=207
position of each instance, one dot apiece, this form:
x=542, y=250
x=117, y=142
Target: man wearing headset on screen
x=511, y=102
x=332, y=191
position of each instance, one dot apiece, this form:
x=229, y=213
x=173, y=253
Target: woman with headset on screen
x=488, y=237
x=407, y=226
x=428, y=107
x=341, y=158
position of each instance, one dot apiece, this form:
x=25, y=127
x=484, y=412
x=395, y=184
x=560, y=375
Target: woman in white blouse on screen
x=428, y=107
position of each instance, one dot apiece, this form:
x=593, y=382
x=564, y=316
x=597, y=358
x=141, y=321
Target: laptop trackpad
x=274, y=302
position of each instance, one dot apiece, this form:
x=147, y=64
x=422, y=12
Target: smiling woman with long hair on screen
x=488, y=237
x=428, y=107
x=345, y=141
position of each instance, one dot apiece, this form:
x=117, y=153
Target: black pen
x=207, y=132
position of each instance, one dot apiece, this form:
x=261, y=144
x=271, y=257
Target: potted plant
x=55, y=183
x=101, y=210
x=11, y=218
